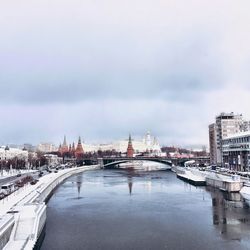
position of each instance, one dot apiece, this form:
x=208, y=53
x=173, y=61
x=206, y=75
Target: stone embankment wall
x=35, y=198
x=6, y=225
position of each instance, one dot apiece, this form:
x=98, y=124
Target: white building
x=53, y=160
x=46, y=147
x=7, y=153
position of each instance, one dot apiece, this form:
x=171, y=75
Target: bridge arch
x=112, y=163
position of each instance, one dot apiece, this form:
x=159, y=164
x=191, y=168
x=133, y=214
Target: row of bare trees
x=33, y=162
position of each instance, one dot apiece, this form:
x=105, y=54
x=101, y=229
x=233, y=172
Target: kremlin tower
x=130, y=150
x=79, y=149
x=64, y=147
x=71, y=151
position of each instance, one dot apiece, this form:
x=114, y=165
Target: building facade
x=226, y=124
x=213, y=143
x=53, y=160
x=236, y=151
x=7, y=153
x=245, y=126
x=46, y=147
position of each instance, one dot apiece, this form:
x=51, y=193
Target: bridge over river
x=112, y=162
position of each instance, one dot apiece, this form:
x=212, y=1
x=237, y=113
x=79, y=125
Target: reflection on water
x=130, y=184
x=79, y=184
x=130, y=209
x=230, y=214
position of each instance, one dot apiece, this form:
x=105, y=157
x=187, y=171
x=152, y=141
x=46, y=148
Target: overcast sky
x=105, y=68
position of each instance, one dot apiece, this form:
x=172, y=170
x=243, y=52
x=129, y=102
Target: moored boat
x=188, y=175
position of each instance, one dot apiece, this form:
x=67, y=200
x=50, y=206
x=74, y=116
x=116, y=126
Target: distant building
x=213, y=143
x=147, y=144
x=7, y=153
x=46, y=147
x=53, y=160
x=29, y=147
x=64, y=147
x=236, y=151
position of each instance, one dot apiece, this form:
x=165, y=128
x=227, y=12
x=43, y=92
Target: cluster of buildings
x=16, y=157
x=53, y=155
x=148, y=144
x=229, y=141
x=71, y=151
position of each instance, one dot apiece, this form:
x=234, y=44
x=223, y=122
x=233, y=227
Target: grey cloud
x=75, y=61
x=103, y=69
x=159, y=76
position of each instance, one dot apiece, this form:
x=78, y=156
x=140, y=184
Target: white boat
x=190, y=175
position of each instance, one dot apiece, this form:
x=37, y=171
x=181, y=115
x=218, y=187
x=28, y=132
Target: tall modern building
x=226, y=124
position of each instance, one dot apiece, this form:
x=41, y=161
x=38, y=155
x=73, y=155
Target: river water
x=129, y=209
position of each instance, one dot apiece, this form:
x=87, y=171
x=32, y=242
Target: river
x=129, y=209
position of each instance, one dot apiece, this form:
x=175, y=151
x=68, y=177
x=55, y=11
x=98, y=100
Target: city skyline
x=104, y=70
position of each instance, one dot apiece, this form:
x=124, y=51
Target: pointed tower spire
x=64, y=141
x=64, y=147
x=129, y=139
x=73, y=150
x=79, y=140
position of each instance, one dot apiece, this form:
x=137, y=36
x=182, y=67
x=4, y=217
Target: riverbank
x=29, y=210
